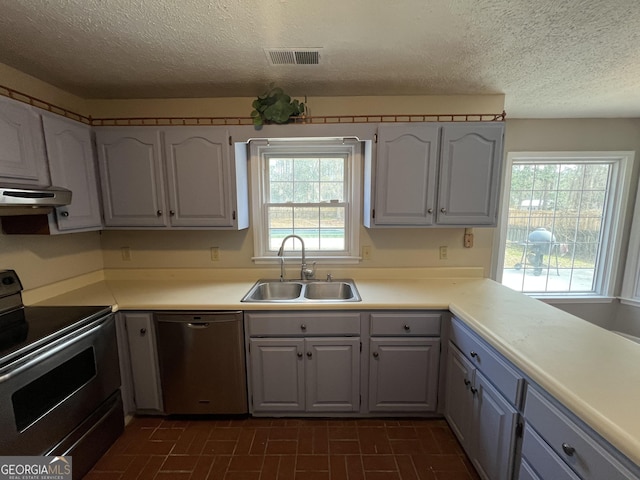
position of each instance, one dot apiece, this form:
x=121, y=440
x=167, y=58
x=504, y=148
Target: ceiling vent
x=293, y=56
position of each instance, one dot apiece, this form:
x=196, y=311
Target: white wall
x=40, y=259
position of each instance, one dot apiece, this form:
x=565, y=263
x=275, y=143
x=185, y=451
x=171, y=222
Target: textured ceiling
x=551, y=58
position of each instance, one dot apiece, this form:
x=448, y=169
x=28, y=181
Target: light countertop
x=591, y=371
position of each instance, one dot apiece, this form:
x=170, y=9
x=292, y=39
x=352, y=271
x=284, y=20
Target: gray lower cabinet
x=540, y=462
x=482, y=392
x=305, y=375
x=404, y=359
x=303, y=362
x=556, y=443
x=143, y=361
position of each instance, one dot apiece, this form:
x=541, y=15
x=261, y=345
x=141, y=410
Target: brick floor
x=287, y=449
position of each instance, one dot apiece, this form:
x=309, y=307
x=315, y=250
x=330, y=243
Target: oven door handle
x=21, y=365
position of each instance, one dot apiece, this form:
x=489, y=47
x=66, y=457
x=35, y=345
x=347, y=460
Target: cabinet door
x=144, y=361
x=403, y=375
x=199, y=177
x=494, y=423
x=277, y=374
x=471, y=160
x=72, y=165
x=458, y=400
x=332, y=374
x=406, y=174
x=131, y=176
x=22, y=156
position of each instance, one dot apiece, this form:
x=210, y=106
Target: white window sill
x=630, y=301
x=319, y=260
x=557, y=299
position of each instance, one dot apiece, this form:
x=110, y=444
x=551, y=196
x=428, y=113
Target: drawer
x=542, y=459
x=405, y=324
x=570, y=441
x=506, y=379
x=303, y=324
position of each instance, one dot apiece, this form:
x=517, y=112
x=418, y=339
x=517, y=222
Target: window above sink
x=307, y=187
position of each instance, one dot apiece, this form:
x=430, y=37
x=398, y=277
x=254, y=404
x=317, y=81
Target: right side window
x=561, y=232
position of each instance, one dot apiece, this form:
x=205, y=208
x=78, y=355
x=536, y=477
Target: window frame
x=259, y=149
x=608, y=262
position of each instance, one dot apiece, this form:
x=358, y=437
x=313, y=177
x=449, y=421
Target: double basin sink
x=298, y=291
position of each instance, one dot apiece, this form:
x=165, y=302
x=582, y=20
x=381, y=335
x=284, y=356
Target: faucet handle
x=329, y=277
x=309, y=273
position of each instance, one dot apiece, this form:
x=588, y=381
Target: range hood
x=31, y=200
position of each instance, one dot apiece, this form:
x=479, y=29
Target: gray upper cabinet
x=198, y=177
x=435, y=174
x=470, y=174
x=177, y=177
x=22, y=156
x=72, y=165
x=406, y=174
x=131, y=177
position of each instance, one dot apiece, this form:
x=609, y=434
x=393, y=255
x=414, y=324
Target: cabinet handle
x=143, y=332
x=309, y=354
x=64, y=214
x=568, y=449
x=299, y=354
x=443, y=210
x=376, y=354
x=467, y=382
x=159, y=213
x=172, y=212
x=407, y=327
x=430, y=210
x=303, y=327
x=473, y=354
x=474, y=390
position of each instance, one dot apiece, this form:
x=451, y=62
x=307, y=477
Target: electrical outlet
x=215, y=254
x=468, y=237
x=443, y=252
x=468, y=240
x=366, y=252
x=126, y=254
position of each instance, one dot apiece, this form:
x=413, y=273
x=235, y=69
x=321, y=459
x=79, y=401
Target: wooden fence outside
x=579, y=237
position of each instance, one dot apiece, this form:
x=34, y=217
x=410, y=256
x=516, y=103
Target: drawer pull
x=303, y=327
x=143, y=332
x=467, y=382
x=407, y=327
x=309, y=354
x=376, y=354
x=299, y=354
x=474, y=390
x=473, y=354
x=568, y=449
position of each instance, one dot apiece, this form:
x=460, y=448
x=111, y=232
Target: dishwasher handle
x=198, y=324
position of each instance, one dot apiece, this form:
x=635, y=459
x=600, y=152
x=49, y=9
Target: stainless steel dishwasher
x=202, y=363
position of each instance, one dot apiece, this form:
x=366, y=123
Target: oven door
x=48, y=393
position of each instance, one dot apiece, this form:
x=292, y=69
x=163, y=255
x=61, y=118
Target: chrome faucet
x=305, y=273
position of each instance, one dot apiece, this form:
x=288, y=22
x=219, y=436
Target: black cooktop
x=28, y=328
